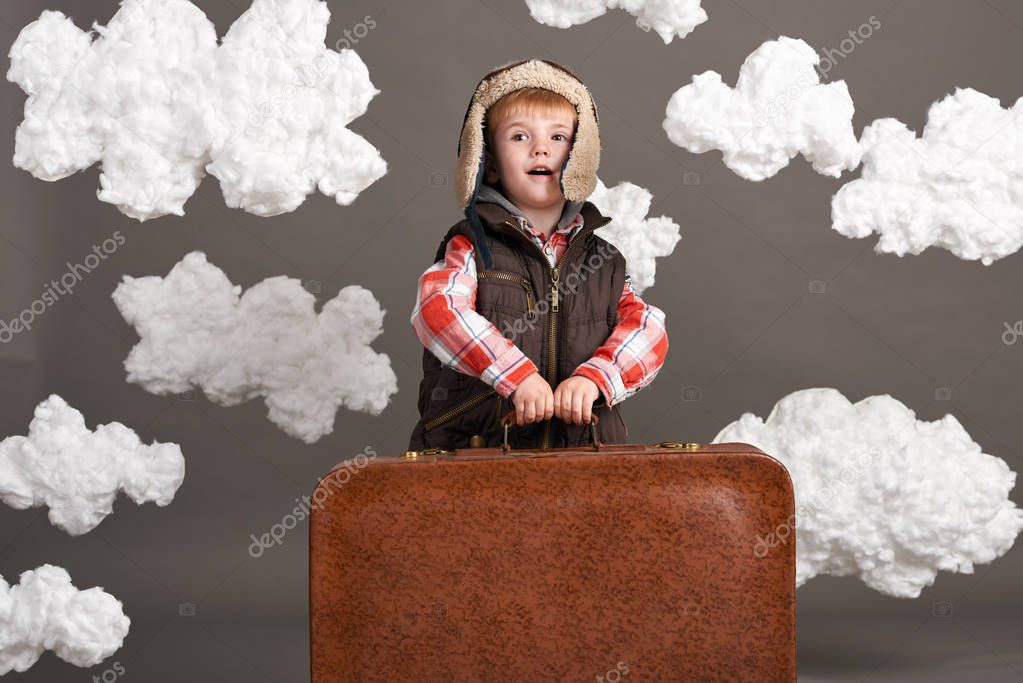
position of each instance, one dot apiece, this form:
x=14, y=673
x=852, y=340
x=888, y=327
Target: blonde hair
x=529, y=102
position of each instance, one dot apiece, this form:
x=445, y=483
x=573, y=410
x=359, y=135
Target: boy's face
x=521, y=144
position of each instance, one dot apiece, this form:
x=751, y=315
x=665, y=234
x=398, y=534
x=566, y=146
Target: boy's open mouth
x=540, y=171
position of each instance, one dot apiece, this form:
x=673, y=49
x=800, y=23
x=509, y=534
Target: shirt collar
x=488, y=193
x=568, y=230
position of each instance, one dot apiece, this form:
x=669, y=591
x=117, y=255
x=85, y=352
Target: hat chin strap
x=474, y=218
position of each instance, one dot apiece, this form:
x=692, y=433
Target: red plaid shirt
x=446, y=322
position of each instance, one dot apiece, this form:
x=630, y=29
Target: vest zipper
x=514, y=278
x=555, y=274
x=458, y=410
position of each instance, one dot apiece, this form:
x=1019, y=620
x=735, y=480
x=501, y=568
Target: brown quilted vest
x=517, y=296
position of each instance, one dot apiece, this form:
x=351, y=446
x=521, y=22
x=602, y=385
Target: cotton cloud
x=880, y=494
x=46, y=612
x=640, y=239
x=159, y=104
x=668, y=18
x=778, y=109
x=197, y=329
x=78, y=473
x=958, y=186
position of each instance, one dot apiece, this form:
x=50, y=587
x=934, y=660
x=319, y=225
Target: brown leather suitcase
x=621, y=563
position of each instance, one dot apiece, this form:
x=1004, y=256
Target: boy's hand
x=573, y=399
x=533, y=400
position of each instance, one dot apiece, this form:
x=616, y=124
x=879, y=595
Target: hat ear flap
x=579, y=174
x=471, y=147
x=474, y=218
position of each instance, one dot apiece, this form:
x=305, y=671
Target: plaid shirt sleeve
x=634, y=352
x=446, y=322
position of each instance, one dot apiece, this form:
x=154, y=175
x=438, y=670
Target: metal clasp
x=412, y=455
x=684, y=445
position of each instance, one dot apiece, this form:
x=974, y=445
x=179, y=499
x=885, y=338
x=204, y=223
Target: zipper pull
x=554, y=290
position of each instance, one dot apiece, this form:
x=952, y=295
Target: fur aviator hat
x=578, y=175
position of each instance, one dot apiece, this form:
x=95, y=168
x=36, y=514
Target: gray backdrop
x=745, y=328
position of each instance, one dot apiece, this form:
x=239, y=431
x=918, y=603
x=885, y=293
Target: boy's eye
x=556, y=136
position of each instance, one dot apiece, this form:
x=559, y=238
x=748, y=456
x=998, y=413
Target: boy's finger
x=548, y=405
x=577, y=408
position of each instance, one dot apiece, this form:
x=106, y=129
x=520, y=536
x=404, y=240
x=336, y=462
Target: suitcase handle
x=509, y=418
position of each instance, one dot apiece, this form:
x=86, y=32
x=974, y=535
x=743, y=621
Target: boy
x=525, y=307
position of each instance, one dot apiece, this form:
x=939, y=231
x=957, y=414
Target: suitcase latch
x=684, y=445
x=412, y=455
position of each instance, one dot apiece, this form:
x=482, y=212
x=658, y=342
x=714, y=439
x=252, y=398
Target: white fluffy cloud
x=159, y=104
x=668, y=18
x=958, y=186
x=78, y=473
x=881, y=495
x=778, y=109
x=640, y=239
x=198, y=329
x=46, y=612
